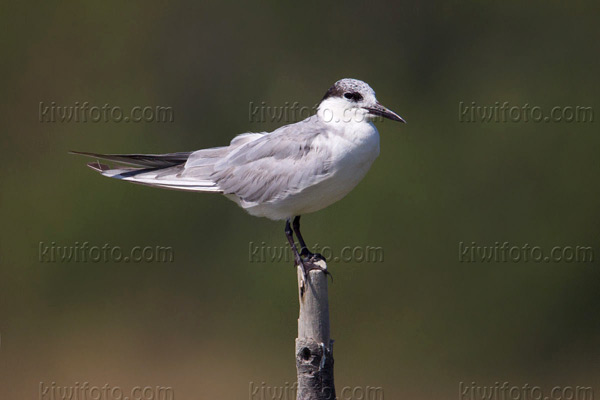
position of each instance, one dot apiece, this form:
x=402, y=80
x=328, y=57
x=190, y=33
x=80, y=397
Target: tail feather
x=159, y=170
x=142, y=160
x=96, y=166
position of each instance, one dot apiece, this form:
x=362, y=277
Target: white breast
x=355, y=149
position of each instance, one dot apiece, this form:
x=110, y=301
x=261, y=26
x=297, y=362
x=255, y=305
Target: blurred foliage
x=211, y=322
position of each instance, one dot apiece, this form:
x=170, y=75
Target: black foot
x=317, y=257
x=310, y=263
x=311, y=256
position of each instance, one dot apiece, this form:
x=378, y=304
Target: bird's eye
x=353, y=96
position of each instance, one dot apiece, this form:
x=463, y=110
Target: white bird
x=296, y=169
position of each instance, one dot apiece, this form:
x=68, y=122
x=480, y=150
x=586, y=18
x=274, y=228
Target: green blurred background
x=211, y=322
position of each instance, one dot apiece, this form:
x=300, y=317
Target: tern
x=295, y=170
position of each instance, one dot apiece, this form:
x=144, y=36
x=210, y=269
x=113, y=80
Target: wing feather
x=275, y=165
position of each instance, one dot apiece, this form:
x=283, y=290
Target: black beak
x=384, y=112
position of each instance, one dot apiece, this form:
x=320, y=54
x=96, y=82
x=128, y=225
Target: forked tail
x=161, y=170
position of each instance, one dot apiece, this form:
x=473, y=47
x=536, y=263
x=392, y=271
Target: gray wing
x=189, y=171
x=256, y=167
x=275, y=165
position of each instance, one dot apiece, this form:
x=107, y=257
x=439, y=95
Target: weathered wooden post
x=314, y=347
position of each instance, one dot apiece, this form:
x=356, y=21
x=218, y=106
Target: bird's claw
x=312, y=257
x=316, y=257
x=310, y=263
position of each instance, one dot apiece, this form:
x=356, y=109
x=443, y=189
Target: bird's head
x=353, y=100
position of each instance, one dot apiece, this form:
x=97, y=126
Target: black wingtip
x=82, y=153
x=96, y=166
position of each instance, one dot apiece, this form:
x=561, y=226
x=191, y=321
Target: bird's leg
x=290, y=237
x=304, y=252
x=305, y=263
